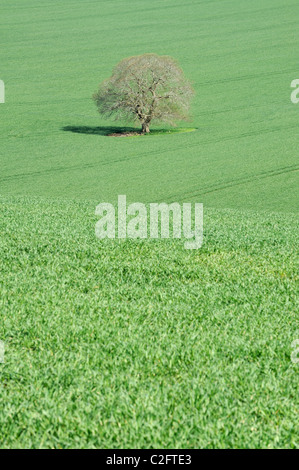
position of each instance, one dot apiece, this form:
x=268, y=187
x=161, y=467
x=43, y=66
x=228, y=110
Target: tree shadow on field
x=104, y=130
x=123, y=131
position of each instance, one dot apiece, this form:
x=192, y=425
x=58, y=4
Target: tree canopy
x=146, y=88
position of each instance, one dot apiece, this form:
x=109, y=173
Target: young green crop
x=141, y=344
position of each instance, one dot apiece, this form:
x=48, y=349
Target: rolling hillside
x=143, y=344
x=240, y=56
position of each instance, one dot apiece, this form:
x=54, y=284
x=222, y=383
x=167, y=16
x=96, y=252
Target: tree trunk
x=145, y=128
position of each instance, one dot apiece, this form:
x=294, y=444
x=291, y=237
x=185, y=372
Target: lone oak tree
x=145, y=88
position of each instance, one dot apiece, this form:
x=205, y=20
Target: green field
x=144, y=344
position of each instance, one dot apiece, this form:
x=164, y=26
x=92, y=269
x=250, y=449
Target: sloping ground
x=241, y=57
x=143, y=343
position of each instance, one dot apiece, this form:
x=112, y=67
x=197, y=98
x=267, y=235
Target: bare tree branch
x=147, y=88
